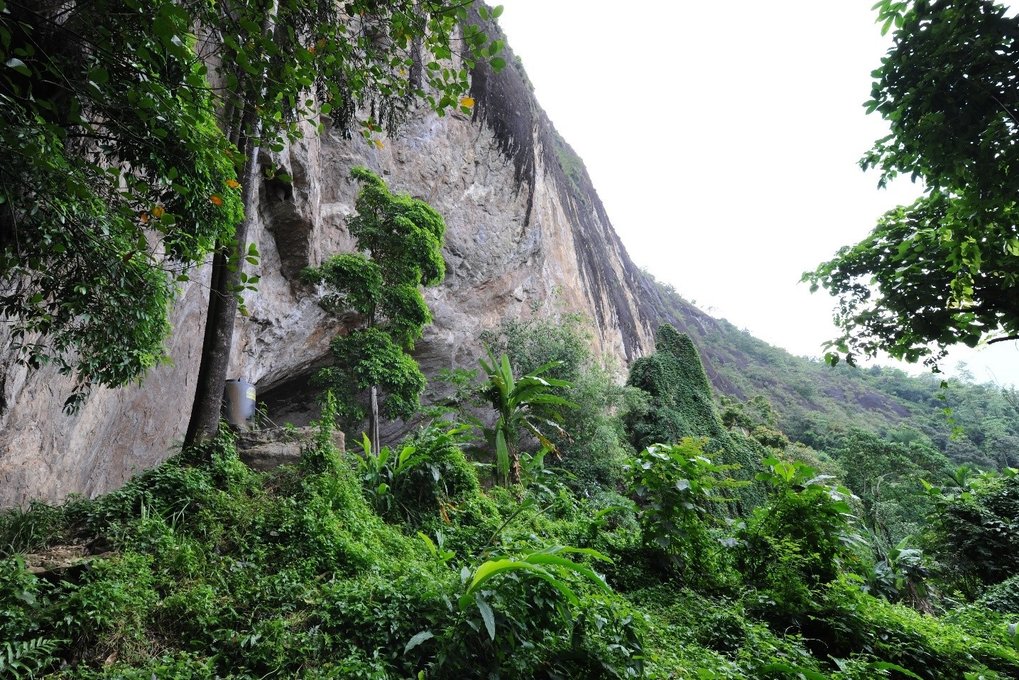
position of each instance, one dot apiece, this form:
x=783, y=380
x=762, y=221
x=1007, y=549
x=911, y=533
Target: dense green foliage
x=399, y=240
x=679, y=492
x=680, y=404
x=241, y=574
x=798, y=540
x=590, y=447
x=399, y=563
x=423, y=479
x=974, y=531
x=943, y=270
x=115, y=178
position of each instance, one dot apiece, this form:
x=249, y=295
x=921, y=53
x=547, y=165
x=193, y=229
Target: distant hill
x=814, y=401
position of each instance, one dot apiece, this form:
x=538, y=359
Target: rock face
x=526, y=236
x=269, y=448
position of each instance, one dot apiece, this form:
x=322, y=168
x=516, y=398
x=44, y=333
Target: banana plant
x=529, y=404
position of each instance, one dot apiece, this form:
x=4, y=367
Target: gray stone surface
x=267, y=449
x=526, y=236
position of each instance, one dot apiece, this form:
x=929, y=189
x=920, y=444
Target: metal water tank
x=239, y=402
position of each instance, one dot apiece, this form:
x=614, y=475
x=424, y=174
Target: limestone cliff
x=527, y=235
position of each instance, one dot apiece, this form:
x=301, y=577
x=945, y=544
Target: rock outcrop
x=265, y=449
x=526, y=236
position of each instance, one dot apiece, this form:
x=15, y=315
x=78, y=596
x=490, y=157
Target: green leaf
x=429, y=543
x=493, y=568
x=886, y=666
x=487, y=615
x=507, y=373
x=19, y=66
x=489, y=569
x=581, y=569
x=101, y=76
x=417, y=640
x=588, y=552
x=405, y=453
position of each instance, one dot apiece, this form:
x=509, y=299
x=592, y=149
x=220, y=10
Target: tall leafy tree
x=115, y=178
x=399, y=240
x=944, y=270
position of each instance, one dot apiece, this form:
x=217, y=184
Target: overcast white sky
x=723, y=139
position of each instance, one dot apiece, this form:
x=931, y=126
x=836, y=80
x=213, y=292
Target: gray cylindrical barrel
x=239, y=402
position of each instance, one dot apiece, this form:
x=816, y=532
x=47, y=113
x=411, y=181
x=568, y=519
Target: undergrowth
x=403, y=564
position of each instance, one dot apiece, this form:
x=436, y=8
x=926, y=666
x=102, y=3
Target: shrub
x=797, y=541
x=591, y=446
x=1002, y=597
x=32, y=529
x=679, y=492
x=848, y=620
x=974, y=530
x=424, y=475
x=171, y=666
x=110, y=607
x=20, y=599
x=525, y=406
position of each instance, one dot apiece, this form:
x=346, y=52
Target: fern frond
x=26, y=658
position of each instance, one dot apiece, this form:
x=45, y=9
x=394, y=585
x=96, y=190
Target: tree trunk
x=373, y=406
x=226, y=270
x=373, y=421
x=222, y=311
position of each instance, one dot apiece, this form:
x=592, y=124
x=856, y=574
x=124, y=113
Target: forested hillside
x=813, y=401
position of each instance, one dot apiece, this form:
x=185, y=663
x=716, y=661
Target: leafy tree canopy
x=367, y=358
x=943, y=270
x=114, y=173
x=400, y=244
